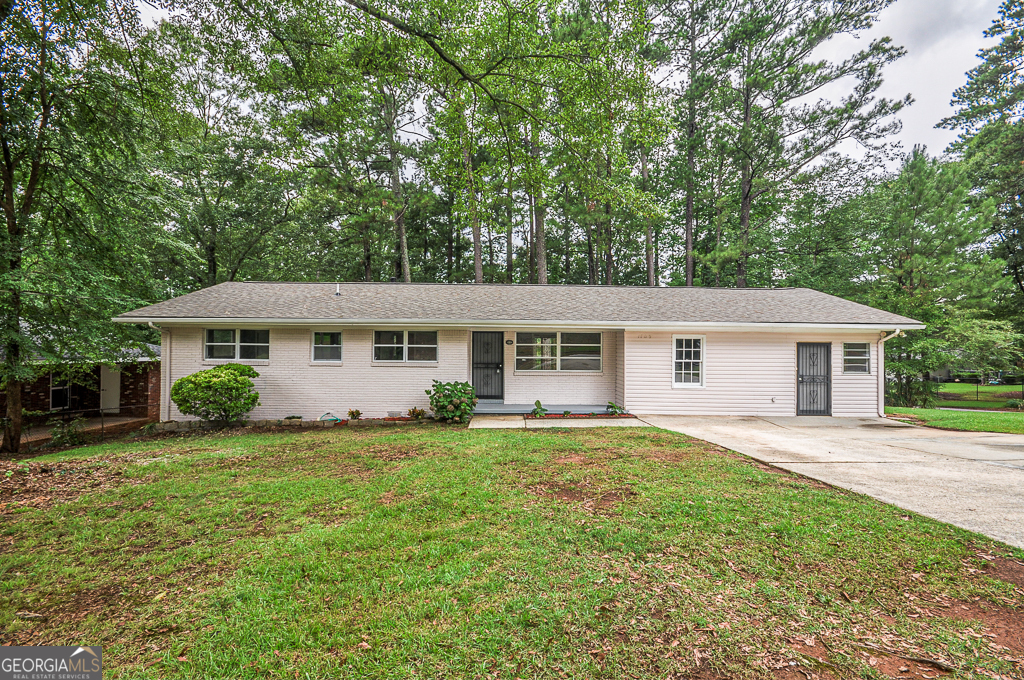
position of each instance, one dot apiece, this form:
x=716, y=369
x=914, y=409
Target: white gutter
x=515, y=323
x=881, y=366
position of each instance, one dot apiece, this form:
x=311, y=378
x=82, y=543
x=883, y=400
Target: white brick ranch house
x=376, y=347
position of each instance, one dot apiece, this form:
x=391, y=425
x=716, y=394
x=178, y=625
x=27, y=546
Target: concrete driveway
x=974, y=480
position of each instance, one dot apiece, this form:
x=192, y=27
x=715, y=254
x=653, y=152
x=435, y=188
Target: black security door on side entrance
x=488, y=354
x=813, y=379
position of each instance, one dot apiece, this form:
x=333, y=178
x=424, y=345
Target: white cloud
x=942, y=39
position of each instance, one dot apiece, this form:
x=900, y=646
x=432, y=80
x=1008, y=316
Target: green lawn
x=966, y=395
x=449, y=553
x=1011, y=422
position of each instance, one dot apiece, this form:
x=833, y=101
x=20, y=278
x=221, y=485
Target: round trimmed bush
x=222, y=393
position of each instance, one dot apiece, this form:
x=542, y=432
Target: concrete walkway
x=974, y=480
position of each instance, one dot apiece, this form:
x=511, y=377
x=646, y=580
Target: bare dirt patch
x=41, y=485
x=390, y=498
x=393, y=452
x=899, y=667
x=1002, y=625
x=1005, y=569
x=585, y=494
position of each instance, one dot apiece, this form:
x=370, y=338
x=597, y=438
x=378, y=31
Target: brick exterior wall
x=140, y=388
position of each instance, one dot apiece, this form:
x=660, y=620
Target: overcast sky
x=942, y=39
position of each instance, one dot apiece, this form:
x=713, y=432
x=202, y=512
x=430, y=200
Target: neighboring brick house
x=129, y=389
x=377, y=347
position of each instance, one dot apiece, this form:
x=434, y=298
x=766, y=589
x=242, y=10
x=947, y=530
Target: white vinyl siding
x=856, y=357
x=327, y=347
x=745, y=373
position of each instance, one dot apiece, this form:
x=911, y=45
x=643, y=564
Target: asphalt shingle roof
x=448, y=303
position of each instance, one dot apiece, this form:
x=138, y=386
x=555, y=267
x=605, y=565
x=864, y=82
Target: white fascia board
x=528, y=324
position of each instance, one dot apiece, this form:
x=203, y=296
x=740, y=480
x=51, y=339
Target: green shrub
x=1015, y=403
x=911, y=393
x=538, y=409
x=66, y=433
x=614, y=409
x=416, y=413
x=354, y=414
x=452, y=402
x=224, y=393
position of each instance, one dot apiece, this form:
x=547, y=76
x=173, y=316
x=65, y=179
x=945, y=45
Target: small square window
x=327, y=346
x=856, y=357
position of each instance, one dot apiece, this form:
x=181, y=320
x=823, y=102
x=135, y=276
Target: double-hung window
x=558, y=351
x=327, y=346
x=856, y=357
x=406, y=346
x=237, y=343
x=688, y=361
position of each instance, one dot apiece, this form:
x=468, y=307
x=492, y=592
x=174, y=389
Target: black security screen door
x=488, y=353
x=813, y=379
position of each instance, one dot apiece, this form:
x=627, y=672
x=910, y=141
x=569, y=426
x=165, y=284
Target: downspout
x=165, y=373
x=881, y=368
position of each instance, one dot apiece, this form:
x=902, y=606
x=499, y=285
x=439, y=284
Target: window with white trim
x=688, y=361
x=237, y=343
x=558, y=351
x=327, y=346
x=856, y=357
x=405, y=346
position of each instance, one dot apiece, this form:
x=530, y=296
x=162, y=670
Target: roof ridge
x=519, y=285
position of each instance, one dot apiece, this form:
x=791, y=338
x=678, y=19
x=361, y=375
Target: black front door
x=813, y=379
x=488, y=357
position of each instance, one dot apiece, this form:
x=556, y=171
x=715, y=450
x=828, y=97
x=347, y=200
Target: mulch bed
x=556, y=416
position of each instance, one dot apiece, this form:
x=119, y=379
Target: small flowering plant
x=452, y=402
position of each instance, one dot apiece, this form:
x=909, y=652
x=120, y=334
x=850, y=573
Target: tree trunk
x=367, y=256
x=691, y=138
x=609, y=256
x=746, y=198
x=474, y=217
x=531, y=242
x=539, y=209
x=591, y=260
x=397, y=195
x=509, y=234
x=450, y=250
x=211, y=261
x=648, y=228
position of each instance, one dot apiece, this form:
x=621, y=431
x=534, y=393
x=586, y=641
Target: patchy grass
x=442, y=553
x=1010, y=422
